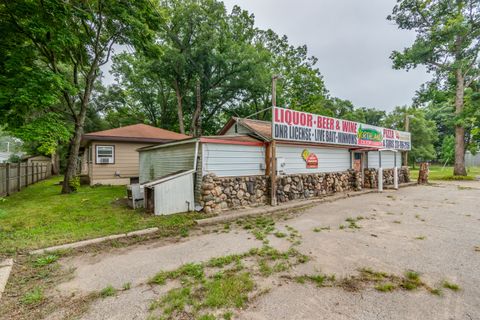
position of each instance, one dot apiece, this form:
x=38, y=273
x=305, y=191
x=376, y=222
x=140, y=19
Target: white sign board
x=292, y=125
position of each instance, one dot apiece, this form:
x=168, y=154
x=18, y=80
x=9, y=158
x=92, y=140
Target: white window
x=105, y=154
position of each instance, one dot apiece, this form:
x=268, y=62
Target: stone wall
x=221, y=193
x=371, y=177
x=305, y=186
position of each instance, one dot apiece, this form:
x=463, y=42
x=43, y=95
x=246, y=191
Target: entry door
x=357, y=161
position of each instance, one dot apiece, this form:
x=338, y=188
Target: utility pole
x=273, y=153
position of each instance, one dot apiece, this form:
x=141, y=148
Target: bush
x=74, y=183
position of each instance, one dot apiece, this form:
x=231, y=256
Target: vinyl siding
x=126, y=161
x=166, y=160
x=225, y=160
x=239, y=130
x=329, y=159
x=388, y=159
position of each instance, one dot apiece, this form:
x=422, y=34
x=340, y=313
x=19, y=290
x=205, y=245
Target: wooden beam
x=273, y=174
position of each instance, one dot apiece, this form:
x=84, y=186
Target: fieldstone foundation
x=306, y=186
x=221, y=193
x=371, y=177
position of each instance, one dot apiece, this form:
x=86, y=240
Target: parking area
x=407, y=254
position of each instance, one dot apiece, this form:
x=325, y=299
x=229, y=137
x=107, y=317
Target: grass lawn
x=39, y=216
x=438, y=172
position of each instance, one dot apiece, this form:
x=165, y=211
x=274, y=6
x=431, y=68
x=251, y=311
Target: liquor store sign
x=301, y=126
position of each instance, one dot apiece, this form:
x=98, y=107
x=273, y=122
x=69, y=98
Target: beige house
x=111, y=157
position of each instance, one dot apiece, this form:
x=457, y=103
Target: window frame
x=103, y=146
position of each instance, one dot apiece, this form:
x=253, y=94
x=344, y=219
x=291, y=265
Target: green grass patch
x=219, y=292
x=411, y=281
x=39, y=216
x=451, y=286
x=33, y=297
x=46, y=260
x=320, y=280
x=231, y=291
x=440, y=173
x=319, y=229
x=108, y=291
x=127, y=286
x=385, y=287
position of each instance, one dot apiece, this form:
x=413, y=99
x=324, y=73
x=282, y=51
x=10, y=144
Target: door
x=357, y=161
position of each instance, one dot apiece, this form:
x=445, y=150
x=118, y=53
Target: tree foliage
x=447, y=43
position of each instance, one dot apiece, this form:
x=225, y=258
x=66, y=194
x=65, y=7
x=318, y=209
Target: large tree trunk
x=55, y=163
x=196, y=126
x=459, y=167
x=71, y=170
x=179, y=107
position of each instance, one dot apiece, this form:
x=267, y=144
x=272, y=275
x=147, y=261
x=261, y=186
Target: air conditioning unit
x=104, y=160
x=135, y=195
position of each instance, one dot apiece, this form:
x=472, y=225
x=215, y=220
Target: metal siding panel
x=233, y=160
x=160, y=162
x=329, y=159
x=174, y=196
x=388, y=160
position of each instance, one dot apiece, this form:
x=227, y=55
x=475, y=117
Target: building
x=110, y=156
x=5, y=156
x=234, y=169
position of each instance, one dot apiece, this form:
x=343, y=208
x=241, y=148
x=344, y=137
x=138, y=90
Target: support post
x=380, y=179
x=395, y=172
x=19, y=172
x=380, y=172
x=273, y=174
x=395, y=177
x=7, y=177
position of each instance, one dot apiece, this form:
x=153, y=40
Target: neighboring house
x=111, y=157
x=41, y=160
x=4, y=156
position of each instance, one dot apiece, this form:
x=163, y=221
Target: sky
x=352, y=40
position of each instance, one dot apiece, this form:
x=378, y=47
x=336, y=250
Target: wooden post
x=7, y=176
x=36, y=169
x=273, y=174
x=33, y=174
x=19, y=181
x=26, y=174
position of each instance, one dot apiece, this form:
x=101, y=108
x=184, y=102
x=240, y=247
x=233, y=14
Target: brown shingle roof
x=136, y=132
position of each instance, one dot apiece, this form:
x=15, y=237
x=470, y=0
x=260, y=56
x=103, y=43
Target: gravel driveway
x=433, y=230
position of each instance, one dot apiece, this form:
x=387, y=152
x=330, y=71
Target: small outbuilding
x=235, y=168
x=111, y=157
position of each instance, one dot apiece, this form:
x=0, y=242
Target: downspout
x=195, y=161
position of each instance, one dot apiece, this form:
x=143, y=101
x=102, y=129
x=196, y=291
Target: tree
x=447, y=43
x=140, y=94
x=448, y=149
x=44, y=135
x=71, y=40
x=424, y=133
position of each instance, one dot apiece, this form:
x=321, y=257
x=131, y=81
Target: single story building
x=110, y=156
x=234, y=168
